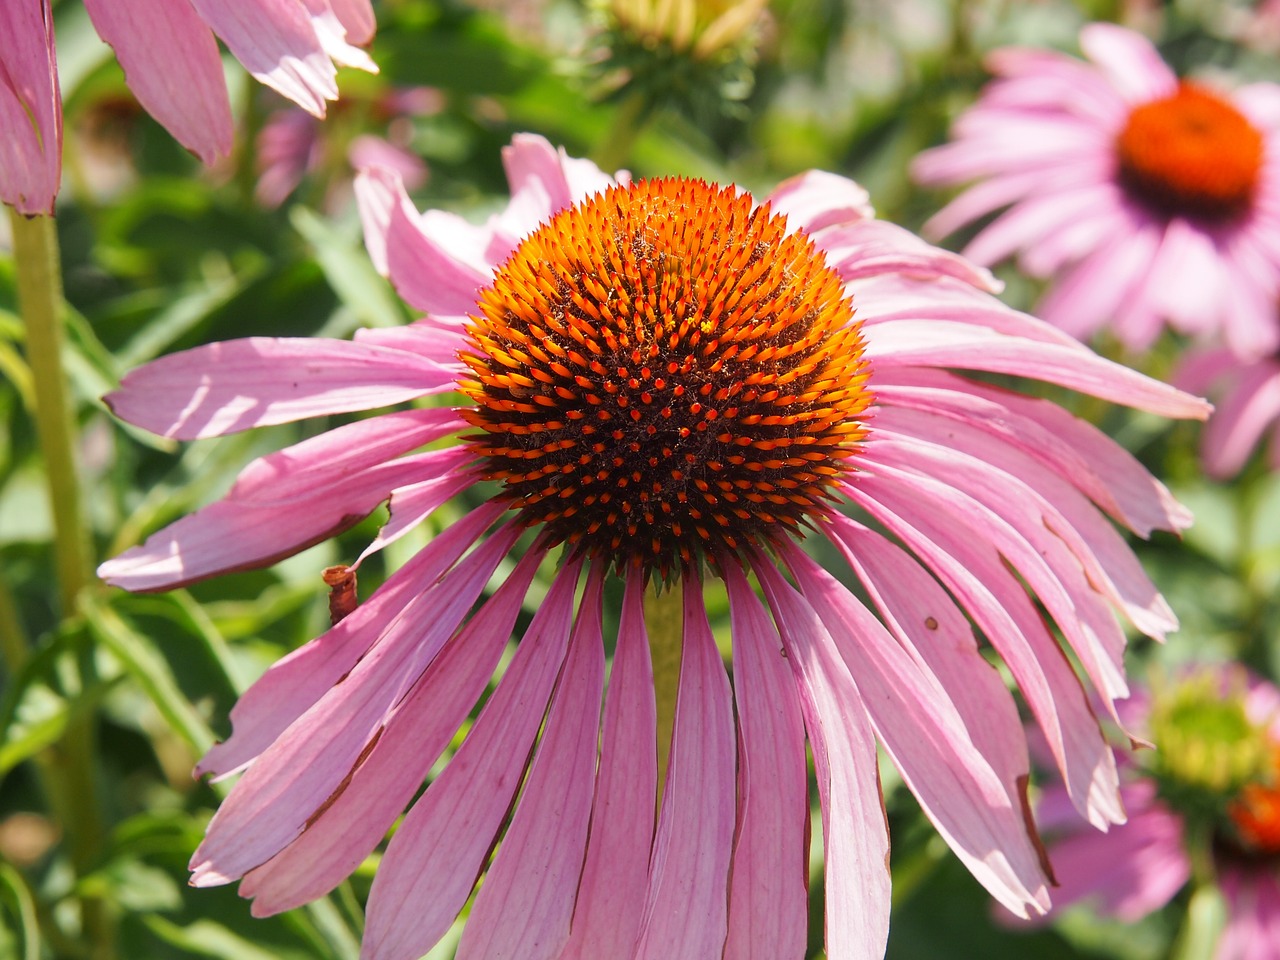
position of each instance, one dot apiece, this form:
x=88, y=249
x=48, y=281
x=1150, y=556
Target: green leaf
x=15, y=892
x=204, y=938
x=349, y=270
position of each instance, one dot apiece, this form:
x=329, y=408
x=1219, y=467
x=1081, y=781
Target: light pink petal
x=172, y=65
x=413, y=503
x=292, y=780
x=768, y=893
x=433, y=860
x=437, y=339
x=30, y=109
x=615, y=876
x=525, y=905
x=424, y=273
x=333, y=37
x=277, y=43
x=969, y=566
x=1187, y=279
x=686, y=911
x=544, y=180
x=1032, y=221
x=854, y=831
x=356, y=17
x=368, y=150
x=946, y=344
x=258, y=381
x=291, y=499
x=1129, y=60
x=1198, y=371
x=874, y=247
x=984, y=820
x=419, y=731
x=815, y=200
x=1253, y=914
x=295, y=682
x=1241, y=419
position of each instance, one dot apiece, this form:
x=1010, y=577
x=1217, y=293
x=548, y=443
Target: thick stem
x=68, y=767
x=664, y=622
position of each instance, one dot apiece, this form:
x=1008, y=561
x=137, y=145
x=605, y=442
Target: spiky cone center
x=663, y=373
x=1191, y=154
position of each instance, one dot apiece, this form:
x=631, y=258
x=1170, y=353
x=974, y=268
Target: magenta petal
x=294, y=683
x=335, y=843
x=854, y=831
x=30, y=108
x=277, y=43
x=171, y=63
x=983, y=818
x=615, y=876
x=291, y=499
x=768, y=893
x=525, y=905
x=686, y=909
x=237, y=384
x=300, y=772
x=434, y=858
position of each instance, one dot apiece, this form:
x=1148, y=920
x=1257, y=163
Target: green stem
x=664, y=621
x=69, y=767
x=629, y=121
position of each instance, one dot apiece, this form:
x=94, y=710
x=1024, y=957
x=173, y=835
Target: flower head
x=290, y=45
x=1248, y=395
x=1213, y=781
x=664, y=378
x=1148, y=199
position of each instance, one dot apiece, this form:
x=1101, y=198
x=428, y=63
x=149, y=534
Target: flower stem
x=628, y=122
x=68, y=767
x=664, y=621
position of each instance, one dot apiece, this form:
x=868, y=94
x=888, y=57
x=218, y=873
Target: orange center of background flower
x=662, y=372
x=1256, y=814
x=1190, y=154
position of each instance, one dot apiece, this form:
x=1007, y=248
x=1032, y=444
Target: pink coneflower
x=171, y=62
x=1147, y=199
x=1248, y=407
x=664, y=380
x=1209, y=794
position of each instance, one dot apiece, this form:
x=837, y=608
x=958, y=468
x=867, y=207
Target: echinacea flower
x=1147, y=199
x=172, y=64
x=1209, y=793
x=1248, y=409
x=664, y=380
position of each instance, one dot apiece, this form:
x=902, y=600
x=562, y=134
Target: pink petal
x=294, y=683
x=1240, y=421
x=610, y=907
x=300, y=772
x=30, y=109
x=413, y=503
x=258, y=381
x=971, y=568
x=525, y=905
x=277, y=43
x=356, y=16
x=379, y=789
x=433, y=860
x=544, y=180
x=333, y=37
x=854, y=831
x=171, y=63
x=815, y=200
x=291, y=499
x=874, y=247
x=1253, y=915
x=1129, y=60
x=982, y=818
x=686, y=909
x=768, y=893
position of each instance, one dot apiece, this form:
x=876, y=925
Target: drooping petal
x=30, y=109
x=295, y=682
x=233, y=385
x=296, y=497
x=352, y=824
x=300, y=772
x=768, y=892
x=172, y=65
x=982, y=818
x=685, y=913
x=854, y=831
x=434, y=858
x=277, y=43
x=615, y=876
x=1130, y=61
x=332, y=35
x=525, y=905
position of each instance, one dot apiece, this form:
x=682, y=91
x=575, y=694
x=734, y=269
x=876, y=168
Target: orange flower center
x=663, y=372
x=1190, y=154
x=1255, y=813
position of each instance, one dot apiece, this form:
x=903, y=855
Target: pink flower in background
x=1248, y=407
x=172, y=64
x=1139, y=867
x=669, y=381
x=1147, y=199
